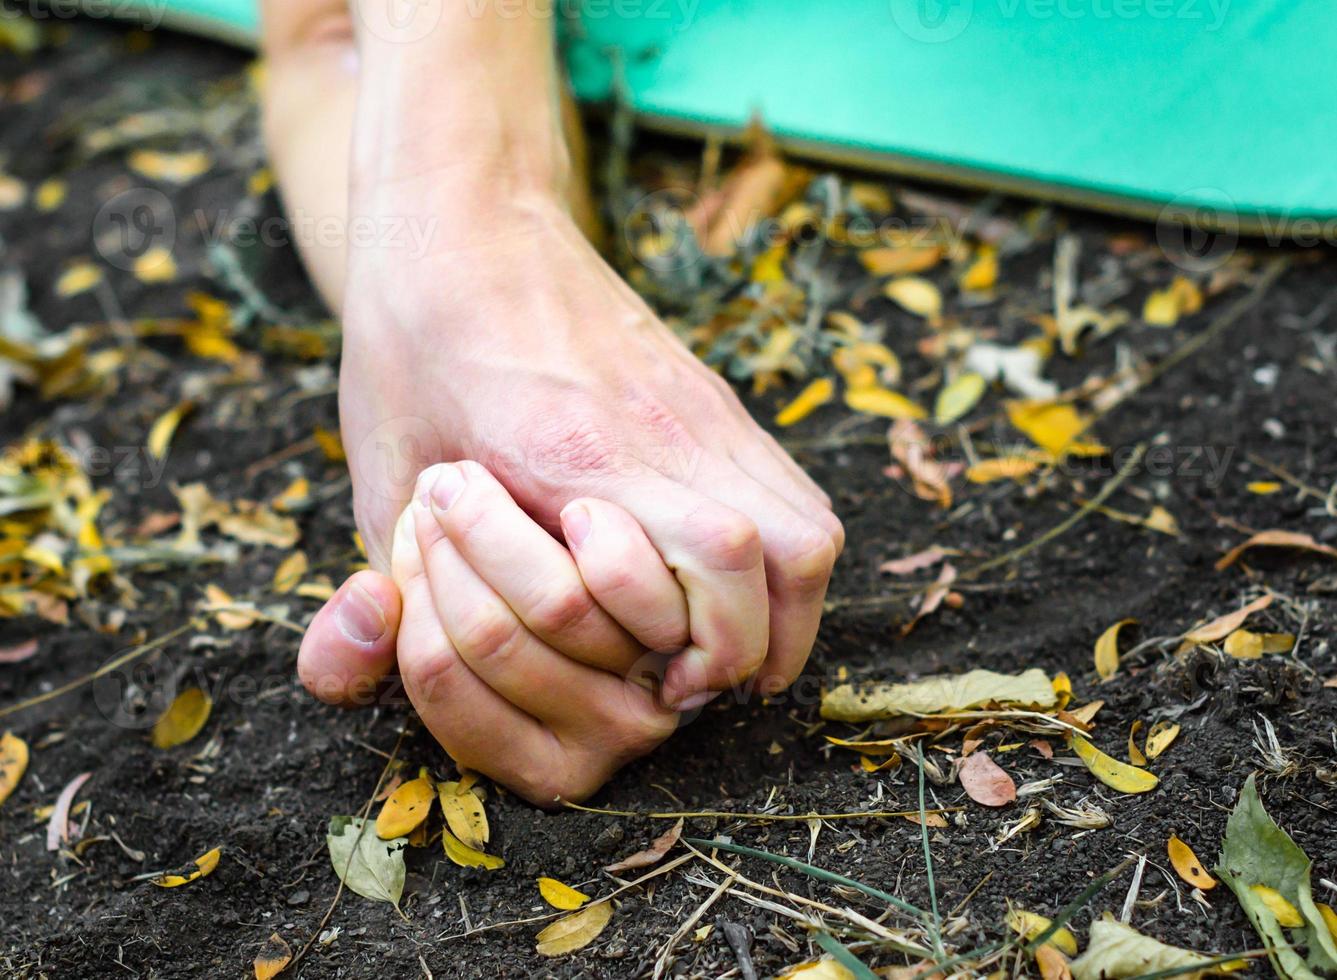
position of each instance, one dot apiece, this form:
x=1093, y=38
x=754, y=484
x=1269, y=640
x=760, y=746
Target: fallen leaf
x=1107, y=649
x=1115, y=950
x=160, y=435
x=204, y=866
x=1052, y=964
x=1135, y=755
x=1161, y=737
x=290, y=572
x=1031, y=924
x=575, y=931
x=469, y=857
x=1243, y=645
x=1187, y=865
x=1053, y=426
x=78, y=278
x=18, y=653
x=651, y=855
x=171, y=168
x=917, y=296
x=1263, y=487
x=862, y=362
x=911, y=447
x=155, y=266
x=1160, y=519
x=1164, y=307
x=561, y=896
x=183, y=719
x=936, y=595
x=982, y=274
x=934, y=820
x=1276, y=539
x=464, y=814
x=1329, y=918
x=231, y=615
x=50, y=195
x=935, y=695
x=369, y=866
x=959, y=397
x=985, y=782
x=13, y=192
x=331, y=446
x=829, y=969
x=1018, y=368
x=1257, y=852
x=1110, y=771
x=274, y=955
x=913, y=563
x=1012, y=467
x=884, y=402
x=13, y=763
x=407, y=807
x=899, y=260
x=1223, y=626
x=811, y=398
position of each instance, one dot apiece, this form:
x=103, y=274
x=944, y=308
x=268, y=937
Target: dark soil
x=279, y=765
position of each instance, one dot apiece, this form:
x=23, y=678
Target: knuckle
x=730, y=542
x=428, y=671
x=562, y=608
x=488, y=630
x=565, y=447
x=807, y=560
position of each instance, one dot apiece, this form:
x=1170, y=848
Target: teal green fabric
x=1222, y=103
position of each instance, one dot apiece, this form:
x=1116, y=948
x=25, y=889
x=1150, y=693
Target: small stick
x=664, y=959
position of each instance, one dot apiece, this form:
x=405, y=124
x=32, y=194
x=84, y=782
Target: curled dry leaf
x=1164, y=307
x=464, y=813
x=913, y=563
x=1052, y=964
x=937, y=593
x=407, y=807
x=1110, y=771
x=468, y=857
x=651, y=855
x=1031, y=924
x=160, y=435
x=985, y=782
x=934, y=695
x=876, y=400
x=811, y=398
x=1135, y=755
x=1187, y=865
x=561, y=896
x=900, y=260
x=1243, y=645
x=13, y=763
x=183, y=719
x=204, y=866
x=58, y=826
x=1013, y=467
x=1276, y=539
x=1219, y=628
x=274, y=955
x=912, y=449
x=575, y=931
x=1107, y=649
x=1161, y=737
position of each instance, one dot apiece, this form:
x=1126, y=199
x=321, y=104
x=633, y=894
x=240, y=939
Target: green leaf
x=1117, y=950
x=1258, y=852
x=372, y=867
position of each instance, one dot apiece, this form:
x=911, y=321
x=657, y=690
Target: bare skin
x=566, y=501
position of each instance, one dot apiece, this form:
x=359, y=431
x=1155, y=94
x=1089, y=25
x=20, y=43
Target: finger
x=800, y=476
x=625, y=575
x=799, y=556
x=350, y=645
x=523, y=564
x=568, y=696
x=715, y=553
x=765, y=466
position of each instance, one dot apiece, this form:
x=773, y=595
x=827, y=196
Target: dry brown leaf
x=1223, y=626
x=18, y=653
x=899, y=260
x=274, y=955
x=1276, y=539
x=935, y=596
x=652, y=854
x=985, y=782
x=914, y=451
x=913, y=563
x=58, y=826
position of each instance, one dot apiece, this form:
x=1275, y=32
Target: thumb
x=350, y=645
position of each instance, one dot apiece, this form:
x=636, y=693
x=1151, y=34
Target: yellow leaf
x=466, y=856
x=959, y=397
x=1161, y=737
x=1012, y=467
x=1225, y=625
x=1161, y=520
x=770, y=265
x=1287, y=914
x=918, y=296
x=204, y=866
x=983, y=272
x=78, y=278
x=13, y=763
x=290, y=572
x=221, y=605
x=154, y=266
x=575, y=931
x=171, y=168
x=50, y=195
x=1062, y=685
x=407, y=807
x=1164, y=307
x=1107, y=650
x=898, y=260
x=1243, y=645
x=260, y=182
x=1052, y=426
x=1187, y=865
x=561, y=896
x=274, y=955
x=1110, y=771
x=1052, y=964
x=861, y=362
x=1329, y=918
x=1263, y=487
x=160, y=435
x=815, y=395
x=1031, y=924
x=826, y=969
x=330, y=445
x=1135, y=755
x=464, y=813
x=183, y=719
x=884, y=402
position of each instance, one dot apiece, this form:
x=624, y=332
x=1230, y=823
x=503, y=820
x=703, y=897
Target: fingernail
x=697, y=700
x=576, y=524
x=446, y=489
x=359, y=616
